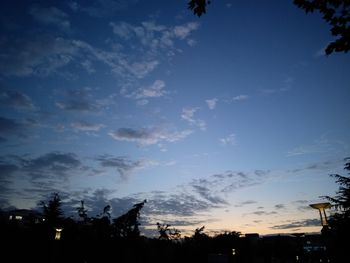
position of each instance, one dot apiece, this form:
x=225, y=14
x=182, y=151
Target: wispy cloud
x=321, y=145
x=244, y=203
x=83, y=101
x=15, y=99
x=152, y=35
x=44, y=173
x=53, y=163
x=213, y=187
x=142, y=95
x=212, y=103
x=188, y=115
x=264, y=213
x=298, y=224
x=286, y=85
x=320, y=53
x=323, y=165
x=238, y=180
x=11, y=127
x=204, y=188
x=240, y=97
x=86, y=126
x=280, y=206
x=183, y=31
x=228, y=140
x=177, y=204
x=35, y=56
x=50, y=16
x=148, y=136
x=101, y=8
x=124, y=165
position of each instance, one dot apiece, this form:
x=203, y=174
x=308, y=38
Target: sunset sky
x=233, y=120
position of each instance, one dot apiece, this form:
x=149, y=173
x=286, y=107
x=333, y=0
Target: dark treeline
x=29, y=236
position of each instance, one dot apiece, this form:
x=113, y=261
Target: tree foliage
x=198, y=6
x=337, y=14
x=82, y=212
x=341, y=201
x=127, y=225
x=167, y=233
x=340, y=221
x=52, y=211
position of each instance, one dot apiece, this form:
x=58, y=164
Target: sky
x=233, y=120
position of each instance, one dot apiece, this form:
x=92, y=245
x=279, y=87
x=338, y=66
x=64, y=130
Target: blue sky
x=233, y=120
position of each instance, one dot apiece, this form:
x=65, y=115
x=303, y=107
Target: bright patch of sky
x=233, y=120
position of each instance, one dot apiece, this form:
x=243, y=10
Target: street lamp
x=58, y=233
x=321, y=209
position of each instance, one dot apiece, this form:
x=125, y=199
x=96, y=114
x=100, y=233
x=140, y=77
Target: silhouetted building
x=24, y=216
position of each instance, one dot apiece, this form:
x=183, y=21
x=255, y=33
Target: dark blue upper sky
x=233, y=120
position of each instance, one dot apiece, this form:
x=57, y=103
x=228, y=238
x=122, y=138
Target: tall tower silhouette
x=321, y=208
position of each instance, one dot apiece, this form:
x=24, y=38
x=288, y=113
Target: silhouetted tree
x=52, y=211
x=199, y=233
x=166, y=233
x=127, y=225
x=341, y=201
x=340, y=222
x=337, y=14
x=82, y=212
x=198, y=6
x=106, y=211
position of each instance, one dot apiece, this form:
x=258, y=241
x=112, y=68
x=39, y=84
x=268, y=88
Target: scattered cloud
x=153, y=91
x=149, y=136
x=152, y=35
x=238, y=180
x=280, y=206
x=320, y=53
x=240, y=98
x=322, y=144
x=287, y=83
x=301, y=201
x=101, y=8
x=212, y=103
x=229, y=140
x=298, y=224
x=124, y=165
x=244, y=203
x=86, y=126
x=40, y=56
x=263, y=213
x=17, y=100
x=188, y=115
x=204, y=189
x=177, y=204
x=213, y=188
x=307, y=149
x=83, y=101
x=183, y=31
x=7, y=169
x=50, y=16
x=142, y=95
x=285, y=86
x=10, y=128
x=46, y=173
x=58, y=164
x=324, y=165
